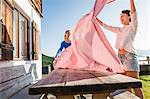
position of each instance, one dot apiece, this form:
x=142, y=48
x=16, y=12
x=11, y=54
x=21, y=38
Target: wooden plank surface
x=126, y=95
x=65, y=81
x=49, y=84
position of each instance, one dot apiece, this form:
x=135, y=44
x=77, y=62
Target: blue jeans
x=129, y=60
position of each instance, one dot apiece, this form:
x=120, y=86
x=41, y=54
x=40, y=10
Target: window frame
x=27, y=34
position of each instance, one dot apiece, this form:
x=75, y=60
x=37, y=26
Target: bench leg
x=44, y=96
x=100, y=96
x=65, y=97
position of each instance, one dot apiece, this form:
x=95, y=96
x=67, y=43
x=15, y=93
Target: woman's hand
x=55, y=60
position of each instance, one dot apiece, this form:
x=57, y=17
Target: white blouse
x=125, y=34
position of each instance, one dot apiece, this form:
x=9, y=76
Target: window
x=7, y=32
x=21, y=38
x=14, y=38
x=16, y=34
x=16, y=41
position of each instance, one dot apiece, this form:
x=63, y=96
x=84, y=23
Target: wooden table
x=64, y=83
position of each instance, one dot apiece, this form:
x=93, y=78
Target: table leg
x=65, y=97
x=100, y=95
x=44, y=96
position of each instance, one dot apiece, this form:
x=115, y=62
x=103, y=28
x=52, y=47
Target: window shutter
x=28, y=41
x=7, y=33
x=36, y=45
x=6, y=46
x=35, y=42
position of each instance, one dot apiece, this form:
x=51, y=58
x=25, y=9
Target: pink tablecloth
x=90, y=49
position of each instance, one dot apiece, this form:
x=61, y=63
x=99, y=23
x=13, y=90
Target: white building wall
x=11, y=67
x=30, y=11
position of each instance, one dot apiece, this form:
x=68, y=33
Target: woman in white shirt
x=124, y=42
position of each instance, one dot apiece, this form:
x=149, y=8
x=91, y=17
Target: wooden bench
x=126, y=95
x=64, y=83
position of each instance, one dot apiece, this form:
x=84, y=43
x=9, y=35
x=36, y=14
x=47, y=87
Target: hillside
x=46, y=60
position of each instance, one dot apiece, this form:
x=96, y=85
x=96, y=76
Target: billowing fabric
x=90, y=49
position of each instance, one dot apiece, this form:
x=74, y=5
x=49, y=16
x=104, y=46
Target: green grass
x=146, y=85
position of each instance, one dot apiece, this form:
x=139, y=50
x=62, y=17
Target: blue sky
x=60, y=15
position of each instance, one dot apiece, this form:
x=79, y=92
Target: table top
x=66, y=81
